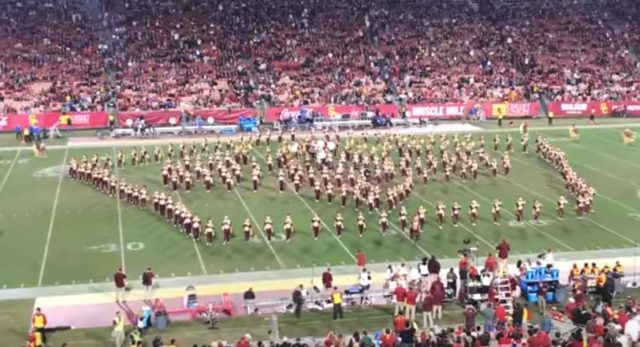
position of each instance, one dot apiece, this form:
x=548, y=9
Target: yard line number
x=112, y=247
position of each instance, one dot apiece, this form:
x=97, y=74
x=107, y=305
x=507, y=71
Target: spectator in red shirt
x=244, y=341
x=400, y=294
x=501, y=316
x=120, y=281
x=399, y=322
x=388, y=339
x=361, y=259
x=410, y=303
x=503, y=255
x=491, y=263
x=327, y=279
x=438, y=295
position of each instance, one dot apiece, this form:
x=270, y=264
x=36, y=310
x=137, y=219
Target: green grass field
x=57, y=231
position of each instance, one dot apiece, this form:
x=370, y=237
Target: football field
x=56, y=231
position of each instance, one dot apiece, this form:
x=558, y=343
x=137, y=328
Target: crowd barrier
x=441, y=111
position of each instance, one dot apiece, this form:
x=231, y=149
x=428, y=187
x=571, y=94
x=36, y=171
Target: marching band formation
x=374, y=174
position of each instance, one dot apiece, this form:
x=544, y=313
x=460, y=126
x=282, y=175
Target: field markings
x=314, y=212
x=607, y=155
x=6, y=176
x=395, y=226
x=120, y=226
x=589, y=219
x=52, y=220
x=549, y=236
x=253, y=218
x=605, y=173
x=195, y=245
x=482, y=239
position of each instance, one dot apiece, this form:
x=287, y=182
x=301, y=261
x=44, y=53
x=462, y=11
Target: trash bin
x=162, y=320
x=561, y=294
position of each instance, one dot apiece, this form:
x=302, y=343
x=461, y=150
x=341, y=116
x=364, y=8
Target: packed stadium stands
x=150, y=55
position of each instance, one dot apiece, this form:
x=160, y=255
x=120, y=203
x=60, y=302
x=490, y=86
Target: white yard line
x=52, y=220
x=195, y=245
x=395, y=226
x=607, y=155
x=6, y=176
x=253, y=218
x=120, y=225
x=482, y=239
x=314, y=212
x=549, y=236
x=605, y=173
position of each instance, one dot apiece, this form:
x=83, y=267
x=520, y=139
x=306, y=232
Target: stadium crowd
x=149, y=55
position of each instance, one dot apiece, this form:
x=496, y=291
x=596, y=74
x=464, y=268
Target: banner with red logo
x=79, y=120
x=579, y=108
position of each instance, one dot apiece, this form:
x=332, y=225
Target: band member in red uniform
x=226, y=230
x=255, y=179
x=315, y=226
x=560, y=205
x=268, y=228
x=296, y=183
x=143, y=197
x=187, y=182
x=414, y=232
x=209, y=232
x=338, y=224
x=281, y=182
x=329, y=191
x=519, y=209
x=473, y=212
x=361, y=224
x=403, y=218
x=229, y=183
x=422, y=212
x=495, y=210
x=187, y=223
x=536, y=210
x=247, y=230
x=316, y=190
x=156, y=203
x=288, y=228
x=208, y=182
x=384, y=223
x=195, y=227
x=170, y=208
x=440, y=213
x=174, y=182
x=343, y=196
x=455, y=213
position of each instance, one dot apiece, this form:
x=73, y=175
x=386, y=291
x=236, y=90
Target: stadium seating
x=439, y=51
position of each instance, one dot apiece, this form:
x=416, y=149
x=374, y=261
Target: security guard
x=336, y=299
x=618, y=270
x=39, y=323
x=575, y=273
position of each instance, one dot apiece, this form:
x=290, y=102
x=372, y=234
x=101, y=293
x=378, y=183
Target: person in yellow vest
x=118, y=330
x=618, y=270
x=628, y=137
x=26, y=135
x=39, y=324
x=35, y=339
x=574, y=274
x=336, y=299
x=550, y=118
x=500, y=116
x=112, y=121
x=135, y=338
x=586, y=270
x=594, y=269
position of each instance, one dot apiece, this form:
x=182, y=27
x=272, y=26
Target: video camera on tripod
x=468, y=249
